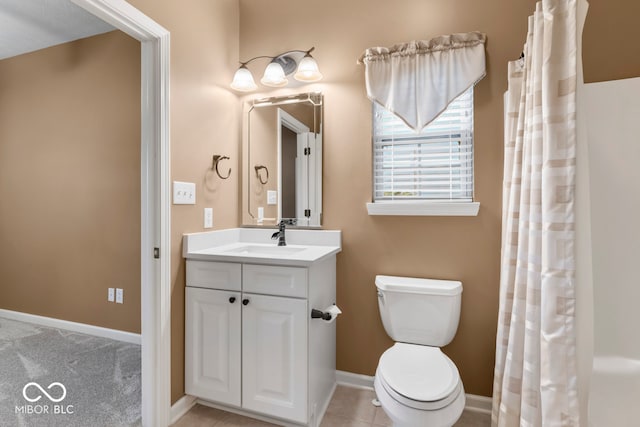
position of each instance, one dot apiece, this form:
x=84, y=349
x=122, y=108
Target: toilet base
x=404, y=416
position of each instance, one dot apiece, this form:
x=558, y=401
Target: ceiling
x=29, y=25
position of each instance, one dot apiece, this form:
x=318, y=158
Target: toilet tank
x=419, y=311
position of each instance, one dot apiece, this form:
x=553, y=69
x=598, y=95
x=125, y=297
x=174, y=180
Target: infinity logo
x=42, y=391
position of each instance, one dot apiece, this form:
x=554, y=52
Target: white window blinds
x=433, y=164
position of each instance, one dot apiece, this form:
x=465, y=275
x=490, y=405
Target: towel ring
x=216, y=161
x=257, y=168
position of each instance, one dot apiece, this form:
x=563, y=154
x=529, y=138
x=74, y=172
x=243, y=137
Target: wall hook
x=257, y=168
x=216, y=161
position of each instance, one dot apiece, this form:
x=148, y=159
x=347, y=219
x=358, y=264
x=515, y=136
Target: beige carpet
x=51, y=377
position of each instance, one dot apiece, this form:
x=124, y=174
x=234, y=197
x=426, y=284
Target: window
x=433, y=165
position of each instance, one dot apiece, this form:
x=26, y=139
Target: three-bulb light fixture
x=275, y=75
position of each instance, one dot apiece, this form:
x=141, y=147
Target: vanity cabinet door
x=274, y=357
x=212, y=345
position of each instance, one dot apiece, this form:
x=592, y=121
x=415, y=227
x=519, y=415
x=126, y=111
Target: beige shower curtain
x=535, y=381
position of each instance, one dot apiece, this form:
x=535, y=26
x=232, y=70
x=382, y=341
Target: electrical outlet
x=111, y=295
x=208, y=217
x=119, y=296
x=272, y=197
x=184, y=193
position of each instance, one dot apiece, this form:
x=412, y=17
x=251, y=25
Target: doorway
x=155, y=206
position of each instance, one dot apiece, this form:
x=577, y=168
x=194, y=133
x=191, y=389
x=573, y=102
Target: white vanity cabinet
x=250, y=341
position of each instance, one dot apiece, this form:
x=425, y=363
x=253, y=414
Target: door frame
x=155, y=202
x=293, y=124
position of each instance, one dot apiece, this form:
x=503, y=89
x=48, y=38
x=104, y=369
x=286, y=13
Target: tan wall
x=465, y=249
x=610, y=40
x=70, y=181
x=263, y=131
x=204, y=121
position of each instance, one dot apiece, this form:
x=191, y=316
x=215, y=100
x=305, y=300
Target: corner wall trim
x=181, y=407
x=473, y=403
x=82, y=328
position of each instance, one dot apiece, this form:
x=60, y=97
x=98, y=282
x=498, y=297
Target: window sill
x=424, y=208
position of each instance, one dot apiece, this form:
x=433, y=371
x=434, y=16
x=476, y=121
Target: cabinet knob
x=245, y=301
x=232, y=300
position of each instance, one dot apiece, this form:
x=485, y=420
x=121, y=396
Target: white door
x=309, y=179
x=314, y=181
x=286, y=120
x=274, y=358
x=212, y=345
x=302, y=178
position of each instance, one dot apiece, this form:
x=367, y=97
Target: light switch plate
x=119, y=296
x=272, y=197
x=111, y=295
x=208, y=217
x=184, y=193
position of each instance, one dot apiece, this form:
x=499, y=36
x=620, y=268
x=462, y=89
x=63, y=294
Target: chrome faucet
x=280, y=233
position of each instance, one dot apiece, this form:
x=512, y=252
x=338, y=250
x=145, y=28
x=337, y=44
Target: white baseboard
x=73, y=326
x=477, y=403
x=181, y=407
x=350, y=379
x=474, y=403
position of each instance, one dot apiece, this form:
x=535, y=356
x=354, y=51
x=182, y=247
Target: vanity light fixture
x=276, y=72
x=243, y=80
x=308, y=69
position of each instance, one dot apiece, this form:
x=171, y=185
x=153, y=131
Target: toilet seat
x=418, y=376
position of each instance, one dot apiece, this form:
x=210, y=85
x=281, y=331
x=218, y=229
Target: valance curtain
x=535, y=378
x=417, y=80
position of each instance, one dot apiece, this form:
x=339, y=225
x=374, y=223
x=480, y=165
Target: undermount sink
x=266, y=250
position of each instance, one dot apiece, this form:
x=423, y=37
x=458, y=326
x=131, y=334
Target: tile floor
x=349, y=407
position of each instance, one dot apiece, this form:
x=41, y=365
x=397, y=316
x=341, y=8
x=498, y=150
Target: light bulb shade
x=308, y=70
x=243, y=80
x=274, y=76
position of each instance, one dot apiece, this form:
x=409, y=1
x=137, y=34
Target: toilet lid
x=417, y=372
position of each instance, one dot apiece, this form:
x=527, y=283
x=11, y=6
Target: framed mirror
x=282, y=157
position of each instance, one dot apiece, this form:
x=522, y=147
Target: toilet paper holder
x=329, y=314
x=319, y=314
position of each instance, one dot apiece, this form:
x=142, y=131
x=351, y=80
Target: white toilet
x=416, y=383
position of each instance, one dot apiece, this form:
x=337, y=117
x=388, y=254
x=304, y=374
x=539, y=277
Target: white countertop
x=253, y=245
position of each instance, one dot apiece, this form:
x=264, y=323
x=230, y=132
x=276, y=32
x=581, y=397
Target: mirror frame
x=316, y=99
